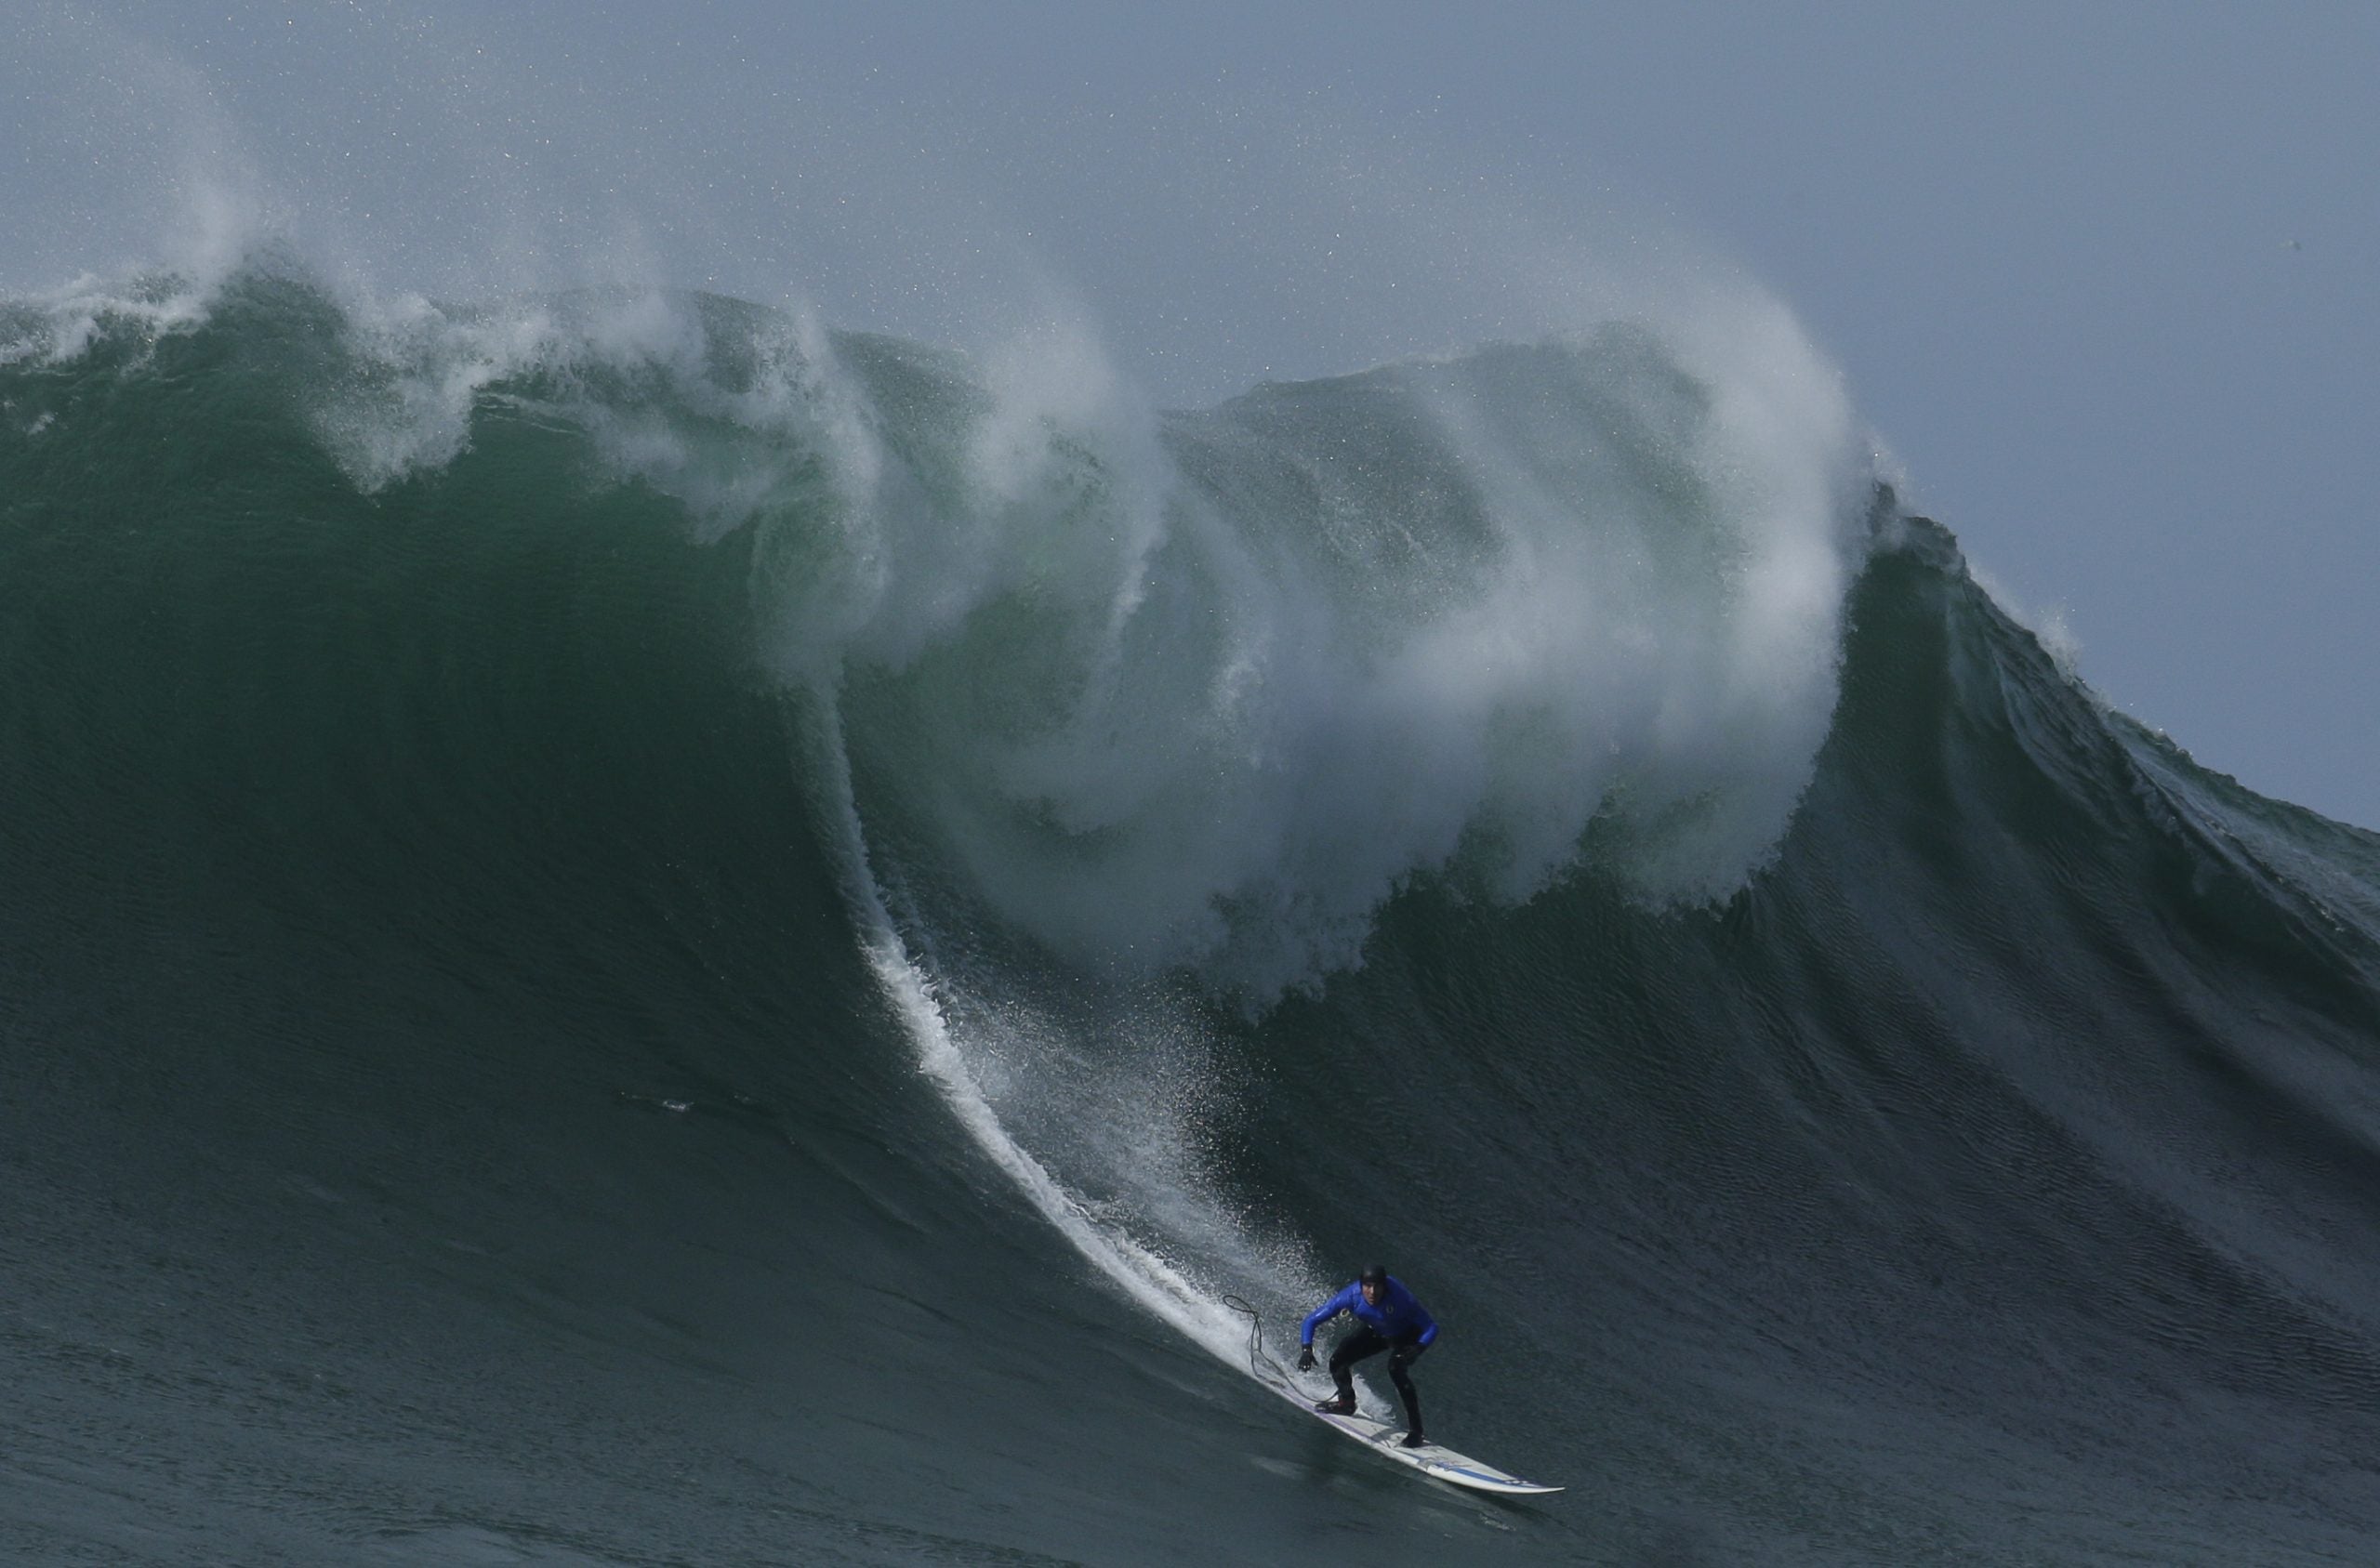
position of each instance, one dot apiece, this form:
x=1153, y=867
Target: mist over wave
x=1196, y=688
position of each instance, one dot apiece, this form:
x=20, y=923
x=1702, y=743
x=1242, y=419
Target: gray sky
x=2105, y=276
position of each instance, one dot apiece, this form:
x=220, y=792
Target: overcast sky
x=2105, y=276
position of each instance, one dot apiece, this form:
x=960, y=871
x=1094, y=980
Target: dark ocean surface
x=632, y=932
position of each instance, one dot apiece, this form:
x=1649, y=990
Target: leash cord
x=1256, y=1342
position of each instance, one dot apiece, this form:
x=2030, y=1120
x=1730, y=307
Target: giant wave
x=635, y=927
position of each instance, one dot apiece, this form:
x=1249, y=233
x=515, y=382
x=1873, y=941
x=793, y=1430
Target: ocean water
x=637, y=931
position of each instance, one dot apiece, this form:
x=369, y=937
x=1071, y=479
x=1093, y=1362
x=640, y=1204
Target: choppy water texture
x=632, y=931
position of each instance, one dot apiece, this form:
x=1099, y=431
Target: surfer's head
x=1374, y=1280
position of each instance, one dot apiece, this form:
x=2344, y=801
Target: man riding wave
x=1387, y=1318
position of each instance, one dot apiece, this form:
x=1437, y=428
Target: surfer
x=1387, y=1319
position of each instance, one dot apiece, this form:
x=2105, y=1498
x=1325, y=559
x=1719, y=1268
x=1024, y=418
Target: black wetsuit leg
x=1407, y=1353
x=1363, y=1342
x=1366, y=1342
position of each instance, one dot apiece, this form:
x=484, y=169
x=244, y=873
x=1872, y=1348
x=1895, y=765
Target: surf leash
x=1256, y=1342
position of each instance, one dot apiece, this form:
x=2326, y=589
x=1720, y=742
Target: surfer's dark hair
x=1374, y=1274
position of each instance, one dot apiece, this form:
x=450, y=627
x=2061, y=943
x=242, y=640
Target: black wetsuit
x=1403, y=1354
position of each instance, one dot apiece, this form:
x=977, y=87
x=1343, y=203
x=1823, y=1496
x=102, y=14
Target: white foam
x=60, y=325
x=1161, y=719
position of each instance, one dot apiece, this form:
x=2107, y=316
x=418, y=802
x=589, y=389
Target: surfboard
x=1431, y=1459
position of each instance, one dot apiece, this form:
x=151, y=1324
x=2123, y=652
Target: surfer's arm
x=1325, y=1313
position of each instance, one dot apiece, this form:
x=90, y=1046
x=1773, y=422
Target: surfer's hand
x=1305, y=1358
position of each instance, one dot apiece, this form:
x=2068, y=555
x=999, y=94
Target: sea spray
x=1205, y=699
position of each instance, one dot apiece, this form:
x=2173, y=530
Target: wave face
x=634, y=931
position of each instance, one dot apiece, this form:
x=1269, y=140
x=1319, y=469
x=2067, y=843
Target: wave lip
x=1195, y=689
x=1209, y=699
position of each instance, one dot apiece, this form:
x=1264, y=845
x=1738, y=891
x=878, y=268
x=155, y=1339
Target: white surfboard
x=1430, y=1459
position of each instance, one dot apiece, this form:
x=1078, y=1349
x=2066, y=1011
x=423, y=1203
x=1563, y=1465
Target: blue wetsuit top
x=1396, y=1317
